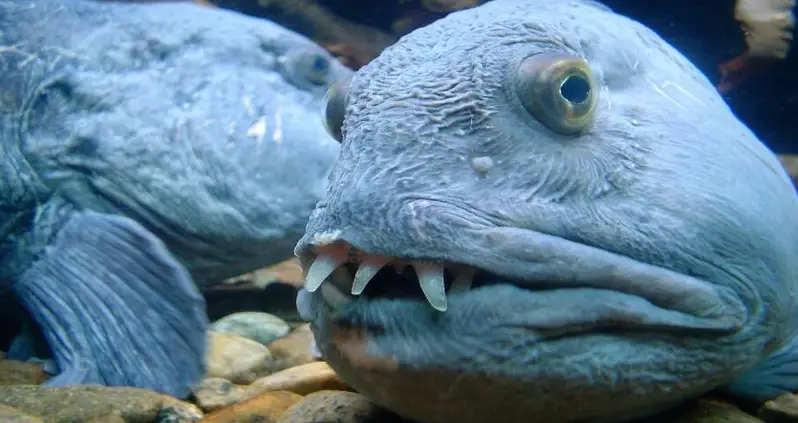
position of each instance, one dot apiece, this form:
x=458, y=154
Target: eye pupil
x=320, y=64
x=575, y=89
x=558, y=90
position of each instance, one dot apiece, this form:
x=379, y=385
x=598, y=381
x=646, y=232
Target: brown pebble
x=90, y=402
x=12, y=415
x=214, y=393
x=783, y=409
x=13, y=372
x=266, y=408
x=303, y=380
x=295, y=349
x=334, y=407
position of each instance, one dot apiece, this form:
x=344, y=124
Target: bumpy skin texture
x=197, y=127
x=661, y=242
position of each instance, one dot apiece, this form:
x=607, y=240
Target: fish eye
x=334, y=105
x=316, y=67
x=559, y=90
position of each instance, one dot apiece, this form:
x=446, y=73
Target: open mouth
x=608, y=290
x=342, y=271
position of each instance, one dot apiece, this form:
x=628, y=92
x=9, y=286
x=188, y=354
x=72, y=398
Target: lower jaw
x=505, y=354
x=502, y=353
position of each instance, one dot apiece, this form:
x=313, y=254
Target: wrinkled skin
x=173, y=123
x=643, y=261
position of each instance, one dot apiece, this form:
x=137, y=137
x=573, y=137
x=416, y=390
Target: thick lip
x=597, y=287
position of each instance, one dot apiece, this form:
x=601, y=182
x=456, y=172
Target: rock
x=303, y=380
x=14, y=372
x=113, y=417
x=260, y=327
x=12, y=415
x=239, y=360
x=87, y=403
x=277, y=299
x=783, y=409
x=214, y=393
x=289, y=272
x=711, y=411
x=335, y=406
x=266, y=408
x=293, y=350
x=173, y=414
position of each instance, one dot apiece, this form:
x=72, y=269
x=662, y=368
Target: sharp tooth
x=333, y=296
x=430, y=277
x=462, y=282
x=322, y=267
x=369, y=266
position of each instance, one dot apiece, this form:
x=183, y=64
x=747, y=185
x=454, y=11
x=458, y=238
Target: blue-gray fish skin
x=147, y=149
x=612, y=240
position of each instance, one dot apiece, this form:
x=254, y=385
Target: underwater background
x=262, y=363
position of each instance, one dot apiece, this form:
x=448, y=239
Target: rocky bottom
x=261, y=369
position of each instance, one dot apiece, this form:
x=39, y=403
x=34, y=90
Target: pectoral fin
x=116, y=308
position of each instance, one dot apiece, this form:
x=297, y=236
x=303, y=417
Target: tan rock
x=236, y=359
x=87, y=403
x=14, y=372
x=289, y=272
x=112, y=417
x=303, y=380
x=12, y=415
x=293, y=350
x=266, y=408
x=214, y=393
x=783, y=409
x=711, y=411
x=334, y=406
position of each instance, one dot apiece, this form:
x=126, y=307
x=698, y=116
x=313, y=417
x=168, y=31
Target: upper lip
x=543, y=261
